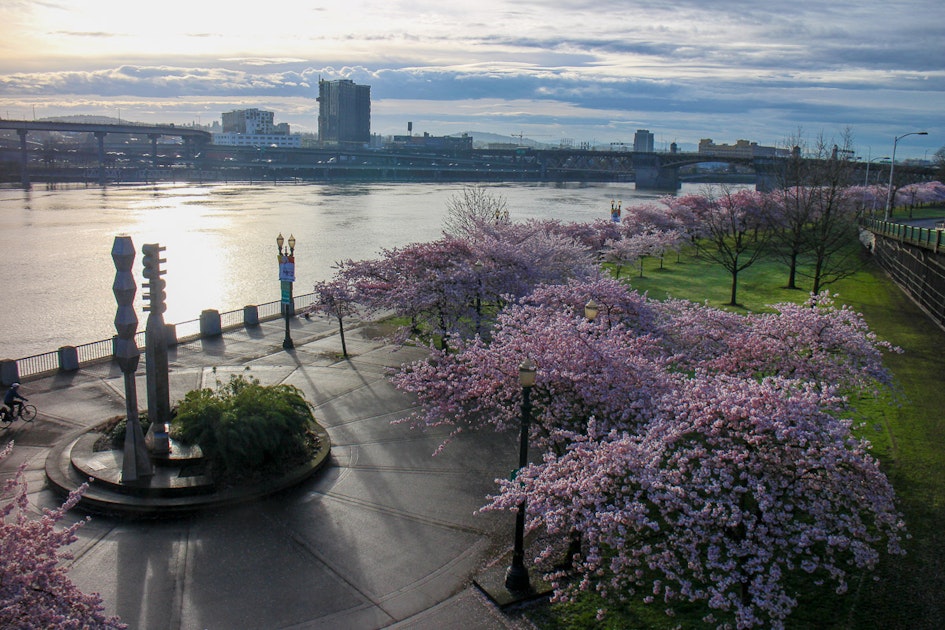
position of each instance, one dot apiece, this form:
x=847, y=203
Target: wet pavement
x=384, y=535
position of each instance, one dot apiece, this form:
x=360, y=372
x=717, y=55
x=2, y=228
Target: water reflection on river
x=55, y=244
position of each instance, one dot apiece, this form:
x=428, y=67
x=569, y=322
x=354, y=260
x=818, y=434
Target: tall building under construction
x=344, y=112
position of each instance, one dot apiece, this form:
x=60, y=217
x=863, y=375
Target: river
x=55, y=243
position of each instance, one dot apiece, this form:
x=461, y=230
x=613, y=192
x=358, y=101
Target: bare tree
x=813, y=216
x=474, y=206
x=832, y=248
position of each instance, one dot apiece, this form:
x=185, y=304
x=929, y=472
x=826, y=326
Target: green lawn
x=907, y=429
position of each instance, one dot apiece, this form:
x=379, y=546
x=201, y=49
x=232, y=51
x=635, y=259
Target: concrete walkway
x=385, y=536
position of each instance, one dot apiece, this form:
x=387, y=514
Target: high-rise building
x=344, y=112
x=643, y=141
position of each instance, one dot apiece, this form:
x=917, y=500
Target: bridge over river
x=200, y=160
x=191, y=138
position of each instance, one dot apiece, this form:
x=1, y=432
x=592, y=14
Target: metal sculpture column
x=136, y=463
x=155, y=350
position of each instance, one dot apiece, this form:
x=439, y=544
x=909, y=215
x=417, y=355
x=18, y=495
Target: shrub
x=246, y=429
x=113, y=432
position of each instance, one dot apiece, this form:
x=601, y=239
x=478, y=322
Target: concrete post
x=9, y=372
x=210, y=325
x=250, y=315
x=68, y=359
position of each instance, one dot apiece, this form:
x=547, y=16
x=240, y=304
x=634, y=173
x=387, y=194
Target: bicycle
x=26, y=413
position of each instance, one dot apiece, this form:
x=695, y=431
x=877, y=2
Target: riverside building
x=344, y=112
x=255, y=128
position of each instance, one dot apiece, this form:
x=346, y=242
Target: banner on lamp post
x=286, y=269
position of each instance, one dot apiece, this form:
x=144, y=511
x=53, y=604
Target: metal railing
x=104, y=349
x=929, y=238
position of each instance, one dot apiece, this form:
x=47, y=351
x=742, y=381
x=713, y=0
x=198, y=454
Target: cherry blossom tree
x=694, y=454
x=335, y=298
x=650, y=217
x=35, y=590
x=733, y=230
x=439, y=285
x=737, y=485
x=428, y=283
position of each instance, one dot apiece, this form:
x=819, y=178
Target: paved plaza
x=385, y=536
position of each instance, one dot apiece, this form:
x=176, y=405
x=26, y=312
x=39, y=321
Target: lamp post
x=866, y=182
x=286, y=277
x=516, y=576
x=477, y=266
x=892, y=165
x=591, y=309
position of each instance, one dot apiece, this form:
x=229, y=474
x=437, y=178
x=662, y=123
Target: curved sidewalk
x=385, y=535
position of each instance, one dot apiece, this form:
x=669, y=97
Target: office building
x=255, y=128
x=344, y=112
x=741, y=149
x=643, y=141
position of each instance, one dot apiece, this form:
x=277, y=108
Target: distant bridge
x=203, y=161
x=190, y=137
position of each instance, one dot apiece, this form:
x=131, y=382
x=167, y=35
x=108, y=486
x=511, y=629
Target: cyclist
x=12, y=400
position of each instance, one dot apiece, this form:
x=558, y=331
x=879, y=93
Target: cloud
x=687, y=67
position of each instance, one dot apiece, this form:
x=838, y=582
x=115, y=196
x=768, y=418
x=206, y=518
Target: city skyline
x=583, y=71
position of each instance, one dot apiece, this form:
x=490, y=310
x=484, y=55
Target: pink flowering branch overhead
x=35, y=590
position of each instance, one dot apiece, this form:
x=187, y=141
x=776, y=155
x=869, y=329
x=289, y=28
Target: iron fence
x=928, y=238
x=104, y=349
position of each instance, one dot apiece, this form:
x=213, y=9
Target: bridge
x=200, y=160
x=190, y=137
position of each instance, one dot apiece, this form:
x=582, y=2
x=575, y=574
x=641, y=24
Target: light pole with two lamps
x=516, y=576
x=286, y=277
x=892, y=165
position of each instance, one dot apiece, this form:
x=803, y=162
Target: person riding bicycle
x=12, y=400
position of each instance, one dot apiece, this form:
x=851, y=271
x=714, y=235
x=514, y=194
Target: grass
x=907, y=429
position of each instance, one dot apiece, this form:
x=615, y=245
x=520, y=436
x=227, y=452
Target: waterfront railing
x=210, y=323
x=928, y=238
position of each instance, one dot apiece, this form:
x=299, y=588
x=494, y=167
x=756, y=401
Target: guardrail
x=70, y=358
x=929, y=238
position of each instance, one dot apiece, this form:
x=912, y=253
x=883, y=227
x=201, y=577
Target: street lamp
x=286, y=277
x=516, y=576
x=478, y=268
x=892, y=165
x=591, y=309
x=866, y=182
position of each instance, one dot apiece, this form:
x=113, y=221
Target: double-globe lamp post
x=286, y=277
x=892, y=165
x=516, y=576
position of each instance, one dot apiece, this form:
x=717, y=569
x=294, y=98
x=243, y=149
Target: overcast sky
x=584, y=70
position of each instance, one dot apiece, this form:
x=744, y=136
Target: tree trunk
x=792, y=274
x=344, y=348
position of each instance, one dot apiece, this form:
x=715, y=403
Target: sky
x=556, y=71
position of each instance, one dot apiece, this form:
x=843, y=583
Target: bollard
x=68, y=359
x=9, y=372
x=251, y=315
x=210, y=323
